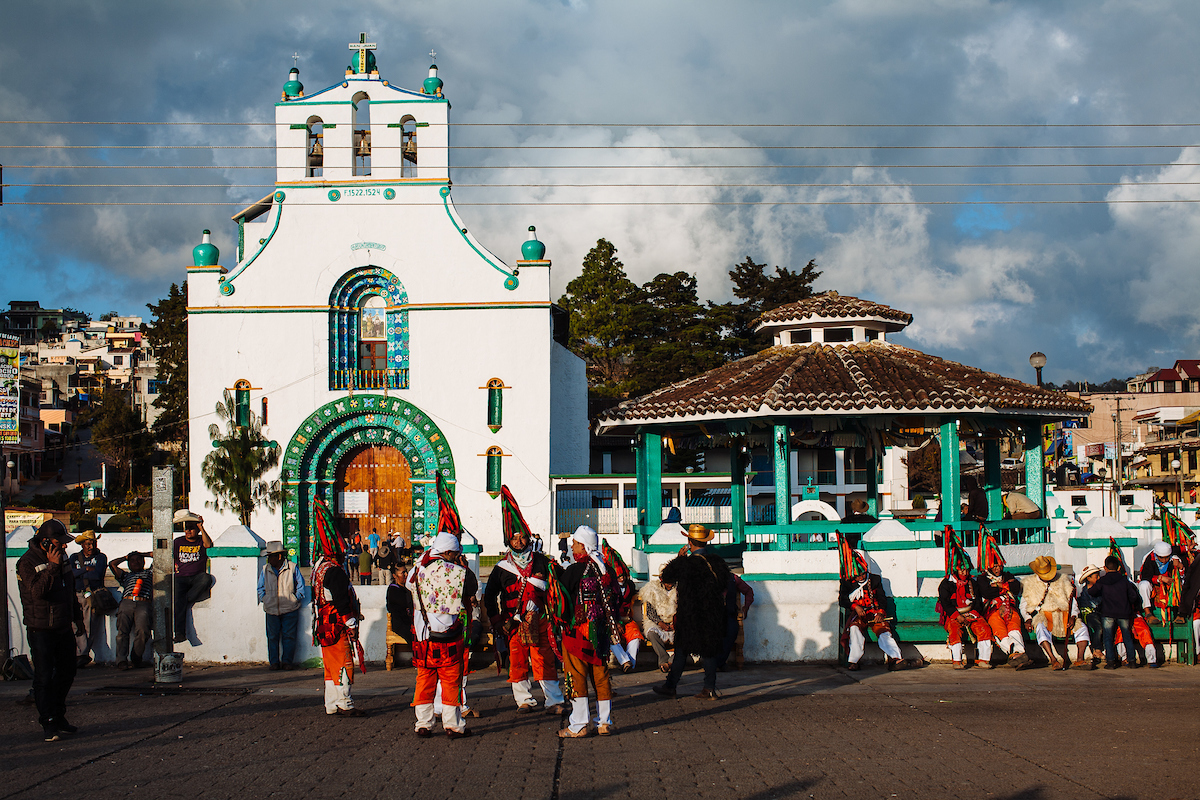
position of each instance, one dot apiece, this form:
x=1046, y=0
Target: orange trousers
x=538, y=659
x=580, y=671
x=335, y=658
x=1141, y=632
x=1004, y=622
x=975, y=623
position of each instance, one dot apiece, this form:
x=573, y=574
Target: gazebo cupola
x=831, y=318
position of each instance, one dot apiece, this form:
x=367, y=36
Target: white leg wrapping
x=1081, y=634
x=337, y=695
x=985, y=650
x=619, y=654
x=1151, y=654
x=424, y=716
x=1121, y=650
x=632, y=648
x=452, y=718
x=579, y=715
x=331, y=696
x=522, y=693
x=858, y=644
x=604, y=712
x=887, y=643
x=1196, y=632
x=1043, y=634
x=1145, y=589
x=553, y=692
x=956, y=652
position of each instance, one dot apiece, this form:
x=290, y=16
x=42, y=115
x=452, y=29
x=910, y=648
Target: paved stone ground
x=778, y=731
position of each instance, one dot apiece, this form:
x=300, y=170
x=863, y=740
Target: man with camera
x=53, y=618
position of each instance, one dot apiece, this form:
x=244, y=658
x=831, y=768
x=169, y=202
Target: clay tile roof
x=832, y=304
x=824, y=379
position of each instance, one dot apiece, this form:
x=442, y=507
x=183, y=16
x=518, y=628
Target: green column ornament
x=495, y=410
x=494, y=476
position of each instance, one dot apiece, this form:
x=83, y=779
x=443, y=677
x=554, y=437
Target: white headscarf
x=591, y=543
x=445, y=543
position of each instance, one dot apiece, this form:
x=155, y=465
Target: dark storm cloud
x=1103, y=289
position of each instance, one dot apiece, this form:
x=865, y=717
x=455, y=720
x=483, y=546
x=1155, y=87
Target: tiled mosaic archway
x=311, y=460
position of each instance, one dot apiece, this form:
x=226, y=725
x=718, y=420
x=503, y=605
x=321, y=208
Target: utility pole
x=1120, y=475
x=163, y=500
x=4, y=572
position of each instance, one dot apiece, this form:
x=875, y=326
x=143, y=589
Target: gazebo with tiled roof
x=831, y=368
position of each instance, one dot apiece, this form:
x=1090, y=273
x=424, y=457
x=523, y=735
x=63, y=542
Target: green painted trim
x=445, y=193
x=298, y=126
x=226, y=282
x=799, y=576
x=421, y=125
x=640, y=576
x=325, y=309
x=1124, y=541
x=358, y=184
x=233, y=552
x=611, y=477
x=12, y=552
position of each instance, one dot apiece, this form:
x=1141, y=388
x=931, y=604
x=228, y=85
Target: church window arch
x=368, y=331
x=314, y=150
x=361, y=126
x=241, y=403
x=408, y=147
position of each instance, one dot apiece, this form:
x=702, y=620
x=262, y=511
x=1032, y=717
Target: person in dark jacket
x=1119, y=603
x=700, y=579
x=53, y=618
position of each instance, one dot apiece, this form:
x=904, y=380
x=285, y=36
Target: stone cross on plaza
x=362, y=46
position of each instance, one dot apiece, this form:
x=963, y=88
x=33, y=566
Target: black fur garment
x=700, y=582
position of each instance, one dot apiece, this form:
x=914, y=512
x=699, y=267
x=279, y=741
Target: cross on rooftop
x=363, y=47
x=432, y=55
x=295, y=58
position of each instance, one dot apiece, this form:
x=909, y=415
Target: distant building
x=30, y=322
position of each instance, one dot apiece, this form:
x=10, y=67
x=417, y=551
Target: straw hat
x=184, y=515
x=1089, y=571
x=1045, y=567
x=699, y=533
x=86, y=536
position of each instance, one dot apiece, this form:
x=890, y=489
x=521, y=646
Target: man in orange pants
x=961, y=612
x=442, y=589
x=515, y=601
x=997, y=590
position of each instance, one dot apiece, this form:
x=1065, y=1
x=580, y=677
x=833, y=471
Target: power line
x=622, y=185
x=652, y=147
x=1014, y=165
x=588, y=203
x=722, y=125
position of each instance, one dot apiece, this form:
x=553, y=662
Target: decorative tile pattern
x=348, y=296
x=326, y=437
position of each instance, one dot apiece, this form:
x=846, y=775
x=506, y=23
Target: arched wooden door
x=374, y=491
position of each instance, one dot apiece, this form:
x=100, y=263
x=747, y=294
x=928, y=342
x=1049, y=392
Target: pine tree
x=167, y=334
x=760, y=292
x=605, y=308
x=678, y=338
x=233, y=471
x=119, y=434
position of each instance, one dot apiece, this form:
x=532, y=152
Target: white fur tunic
x=1055, y=600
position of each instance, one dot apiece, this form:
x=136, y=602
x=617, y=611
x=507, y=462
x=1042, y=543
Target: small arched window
x=241, y=403
x=362, y=134
x=408, y=148
x=314, y=149
x=368, y=330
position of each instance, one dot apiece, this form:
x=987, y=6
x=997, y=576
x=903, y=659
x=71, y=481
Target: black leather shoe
x=664, y=690
x=52, y=735
x=63, y=726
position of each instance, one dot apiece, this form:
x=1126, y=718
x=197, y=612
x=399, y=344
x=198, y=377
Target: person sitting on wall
x=961, y=612
x=977, y=500
x=1161, y=567
x=998, y=590
x=863, y=597
x=193, y=583
x=1049, y=608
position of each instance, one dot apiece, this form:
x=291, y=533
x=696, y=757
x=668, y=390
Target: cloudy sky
x=889, y=141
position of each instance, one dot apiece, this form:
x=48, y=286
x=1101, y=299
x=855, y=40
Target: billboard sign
x=10, y=388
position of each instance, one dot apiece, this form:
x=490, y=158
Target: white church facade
x=380, y=341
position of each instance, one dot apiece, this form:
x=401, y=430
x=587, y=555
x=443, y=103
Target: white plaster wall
x=792, y=621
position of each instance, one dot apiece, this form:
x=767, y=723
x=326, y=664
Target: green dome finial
x=293, y=87
x=533, y=250
x=206, y=253
x=433, y=84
